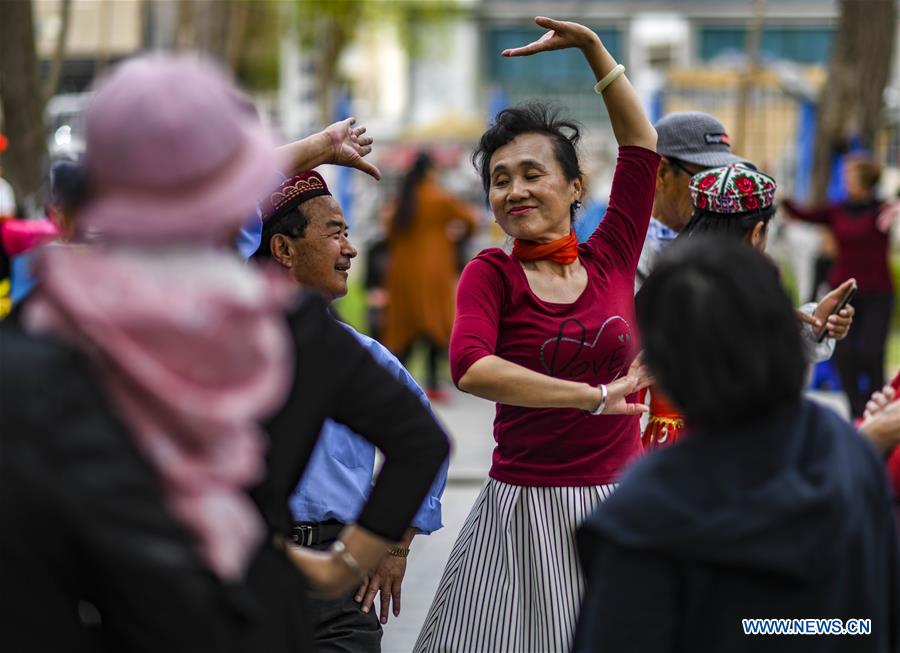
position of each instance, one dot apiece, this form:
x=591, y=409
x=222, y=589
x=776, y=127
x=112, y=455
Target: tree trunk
x=332, y=39
x=59, y=52
x=22, y=101
x=237, y=29
x=185, y=31
x=851, y=102
x=748, y=77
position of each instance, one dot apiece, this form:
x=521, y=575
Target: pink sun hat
x=171, y=155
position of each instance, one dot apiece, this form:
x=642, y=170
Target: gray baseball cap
x=694, y=137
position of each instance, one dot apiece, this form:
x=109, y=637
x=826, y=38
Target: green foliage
x=894, y=263
x=352, y=307
x=342, y=18
x=892, y=353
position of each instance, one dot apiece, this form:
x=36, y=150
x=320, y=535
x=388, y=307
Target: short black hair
x=530, y=118
x=292, y=223
x=720, y=333
x=67, y=184
x=732, y=225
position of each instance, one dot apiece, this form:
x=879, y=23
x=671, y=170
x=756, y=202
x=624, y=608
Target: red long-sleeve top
x=862, y=247
x=591, y=340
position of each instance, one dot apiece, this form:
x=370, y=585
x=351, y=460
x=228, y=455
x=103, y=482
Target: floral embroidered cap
x=292, y=193
x=735, y=188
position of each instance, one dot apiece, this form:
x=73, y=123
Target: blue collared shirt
x=250, y=236
x=338, y=479
x=659, y=236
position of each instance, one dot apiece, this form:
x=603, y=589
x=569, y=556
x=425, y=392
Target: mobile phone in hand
x=846, y=299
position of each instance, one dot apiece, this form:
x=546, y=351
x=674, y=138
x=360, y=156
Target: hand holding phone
x=840, y=297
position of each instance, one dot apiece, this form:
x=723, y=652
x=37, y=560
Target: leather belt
x=313, y=533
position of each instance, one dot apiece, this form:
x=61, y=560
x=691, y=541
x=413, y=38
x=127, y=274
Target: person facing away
x=192, y=350
x=305, y=232
x=422, y=268
x=862, y=252
x=114, y=436
x=737, y=201
x=772, y=507
x=688, y=142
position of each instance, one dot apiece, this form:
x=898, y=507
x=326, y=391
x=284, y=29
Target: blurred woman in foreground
x=138, y=519
x=773, y=507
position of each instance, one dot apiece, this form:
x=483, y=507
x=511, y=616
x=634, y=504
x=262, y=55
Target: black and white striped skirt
x=513, y=581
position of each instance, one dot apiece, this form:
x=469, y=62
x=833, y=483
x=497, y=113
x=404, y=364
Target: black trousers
x=340, y=625
x=861, y=353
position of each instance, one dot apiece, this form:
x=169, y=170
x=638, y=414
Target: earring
x=577, y=205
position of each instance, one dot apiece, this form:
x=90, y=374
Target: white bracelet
x=604, y=395
x=610, y=77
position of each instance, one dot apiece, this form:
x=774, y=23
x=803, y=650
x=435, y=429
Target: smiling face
x=321, y=257
x=529, y=194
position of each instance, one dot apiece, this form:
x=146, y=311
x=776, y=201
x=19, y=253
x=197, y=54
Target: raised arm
x=342, y=143
x=629, y=122
x=819, y=215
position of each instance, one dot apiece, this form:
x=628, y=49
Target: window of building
x=806, y=45
x=561, y=77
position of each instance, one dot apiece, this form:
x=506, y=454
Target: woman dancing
x=546, y=333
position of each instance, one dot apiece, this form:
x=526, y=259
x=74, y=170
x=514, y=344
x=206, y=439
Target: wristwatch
x=398, y=551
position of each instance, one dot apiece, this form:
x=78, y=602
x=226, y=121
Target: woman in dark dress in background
x=862, y=243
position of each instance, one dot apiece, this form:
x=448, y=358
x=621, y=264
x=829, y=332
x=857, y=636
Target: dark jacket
x=336, y=378
x=85, y=528
x=90, y=559
x=789, y=517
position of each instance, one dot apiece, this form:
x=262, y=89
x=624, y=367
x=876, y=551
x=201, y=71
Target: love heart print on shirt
x=571, y=354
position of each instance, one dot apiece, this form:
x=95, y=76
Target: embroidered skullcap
x=292, y=193
x=735, y=188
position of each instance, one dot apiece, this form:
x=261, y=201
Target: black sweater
x=336, y=378
x=83, y=517
x=789, y=517
x=84, y=529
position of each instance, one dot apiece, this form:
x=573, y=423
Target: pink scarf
x=20, y=236
x=193, y=350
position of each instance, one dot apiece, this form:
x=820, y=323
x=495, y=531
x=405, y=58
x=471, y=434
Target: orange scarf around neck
x=563, y=250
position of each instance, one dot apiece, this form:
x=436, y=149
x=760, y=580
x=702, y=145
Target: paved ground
x=469, y=421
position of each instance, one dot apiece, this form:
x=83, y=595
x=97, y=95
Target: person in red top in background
x=862, y=254
x=881, y=424
x=547, y=334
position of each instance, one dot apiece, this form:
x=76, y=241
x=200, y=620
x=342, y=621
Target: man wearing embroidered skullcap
x=691, y=142
x=304, y=231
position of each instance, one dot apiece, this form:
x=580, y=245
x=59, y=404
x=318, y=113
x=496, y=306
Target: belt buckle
x=304, y=534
